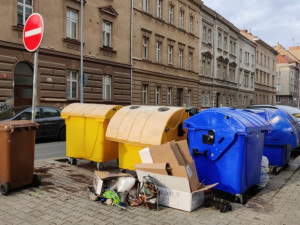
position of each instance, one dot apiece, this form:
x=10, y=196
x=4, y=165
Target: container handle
x=197, y=153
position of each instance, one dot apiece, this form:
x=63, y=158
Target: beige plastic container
x=137, y=127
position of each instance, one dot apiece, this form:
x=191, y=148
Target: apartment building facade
x=106, y=52
x=265, y=70
x=287, y=76
x=165, y=52
x=226, y=76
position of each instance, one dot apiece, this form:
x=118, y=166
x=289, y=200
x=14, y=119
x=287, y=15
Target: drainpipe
x=214, y=58
x=81, y=52
x=131, y=39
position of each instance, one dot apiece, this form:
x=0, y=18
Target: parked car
x=295, y=112
x=51, y=125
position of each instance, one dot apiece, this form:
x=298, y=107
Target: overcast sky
x=271, y=20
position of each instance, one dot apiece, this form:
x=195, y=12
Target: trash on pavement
x=264, y=177
x=175, y=175
x=149, y=193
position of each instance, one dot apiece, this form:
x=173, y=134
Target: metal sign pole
x=35, y=66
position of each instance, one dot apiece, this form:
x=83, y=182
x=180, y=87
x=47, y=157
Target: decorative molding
x=109, y=10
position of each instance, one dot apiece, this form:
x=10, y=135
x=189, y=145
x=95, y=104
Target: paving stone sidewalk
x=63, y=199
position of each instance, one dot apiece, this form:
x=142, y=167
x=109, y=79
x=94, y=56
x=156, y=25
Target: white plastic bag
x=125, y=184
x=264, y=177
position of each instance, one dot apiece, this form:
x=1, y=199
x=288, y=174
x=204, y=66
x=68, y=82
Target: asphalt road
x=46, y=150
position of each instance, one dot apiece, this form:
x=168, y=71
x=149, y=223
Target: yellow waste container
x=86, y=125
x=137, y=127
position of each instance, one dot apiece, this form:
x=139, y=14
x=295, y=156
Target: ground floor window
x=106, y=87
x=72, y=84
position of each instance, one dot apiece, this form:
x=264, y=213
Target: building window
x=278, y=87
x=145, y=5
x=170, y=54
x=180, y=62
x=219, y=40
x=72, y=84
x=106, y=31
x=169, y=96
x=225, y=43
x=203, y=98
x=204, y=34
x=159, y=8
x=191, y=24
x=208, y=99
x=158, y=51
x=209, y=36
x=24, y=11
x=157, y=95
x=171, y=14
x=189, y=97
x=190, y=61
x=144, y=94
x=106, y=87
x=145, y=48
x=72, y=23
x=203, y=66
x=181, y=19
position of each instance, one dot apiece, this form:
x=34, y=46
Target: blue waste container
x=227, y=145
x=282, y=137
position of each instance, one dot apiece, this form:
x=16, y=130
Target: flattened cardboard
x=175, y=192
x=101, y=176
x=160, y=168
x=146, y=156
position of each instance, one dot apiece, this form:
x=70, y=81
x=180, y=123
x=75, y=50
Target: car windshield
x=11, y=112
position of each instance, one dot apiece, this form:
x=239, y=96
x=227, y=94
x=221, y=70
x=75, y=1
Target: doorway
x=179, y=97
x=23, y=83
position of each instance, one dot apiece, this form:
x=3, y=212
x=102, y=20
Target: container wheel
x=62, y=134
x=5, y=189
x=99, y=166
x=72, y=161
x=36, y=180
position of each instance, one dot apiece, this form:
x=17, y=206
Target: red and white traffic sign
x=33, y=32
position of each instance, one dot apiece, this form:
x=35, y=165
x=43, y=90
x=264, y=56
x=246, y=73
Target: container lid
x=282, y=130
x=145, y=125
x=8, y=126
x=89, y=110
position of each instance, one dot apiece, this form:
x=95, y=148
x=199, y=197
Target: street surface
x=46, y=150
x=63, y=198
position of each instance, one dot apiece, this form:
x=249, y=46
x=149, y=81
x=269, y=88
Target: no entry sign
x=33, y=32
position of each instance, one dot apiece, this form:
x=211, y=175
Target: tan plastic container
x=85, y=132
x=137, y=127
x=17, y=141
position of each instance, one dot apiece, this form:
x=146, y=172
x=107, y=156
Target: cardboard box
x=177, y=155
x=101, y=176
x=160, y=168
x=175, y=192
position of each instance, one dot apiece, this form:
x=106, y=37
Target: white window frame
x=106, y=87
x=72, y=78
x=169, y=96
x=204, y=35
x=70, y=22
x=158, y=51
x=181, y=19
x=203, y=99
x=145, y=47
x=144, y=94
x=191, y=24
x=22, y=5
x=159, y=9
x=171, y=14
x=180, y=57
x=170, y=54
x=157, y=95
x=190, y=61
x=106, y=33
x=146, y=6
x=189, y=94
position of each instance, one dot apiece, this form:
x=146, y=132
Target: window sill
x=147, y=60
x=72, y=41
x=108, y=49
x=19, y=28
